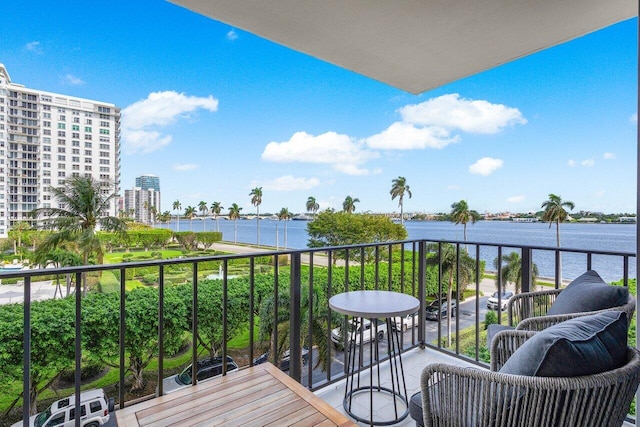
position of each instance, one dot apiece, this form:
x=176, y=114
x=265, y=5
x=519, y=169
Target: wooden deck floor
x=258, y=396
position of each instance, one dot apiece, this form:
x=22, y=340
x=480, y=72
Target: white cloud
x=145, y=141
x=405, y=136
x=467, y=115
x=571, y=163
x=486, y=166
x=141, y=119
x=232, y=35
x=341, y=151
x=288, y=183
x=183, y=167
x=163, y=108
x=426, y=125
x=598, y=194
x=516, y=199
x=634, y=118
x=73, y=80
x=587, y=163
x=453, y=187
x=608, y=156
x=34, y=47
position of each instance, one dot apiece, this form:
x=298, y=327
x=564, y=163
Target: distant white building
x=143, y=199
x=47, y=137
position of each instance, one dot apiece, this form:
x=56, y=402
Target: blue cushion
x=582, y=346
x=415, y=409
x=588, y=292
x=493, y=329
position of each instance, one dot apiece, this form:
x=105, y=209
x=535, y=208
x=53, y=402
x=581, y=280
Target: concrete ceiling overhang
x=417, y=45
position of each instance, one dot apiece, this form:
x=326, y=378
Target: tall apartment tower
x=47, y=137
x=148, y=182
x=144, y=199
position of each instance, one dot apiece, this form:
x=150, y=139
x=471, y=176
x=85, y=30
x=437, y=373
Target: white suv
x=369, y=332
x=94, y=412
x=492, y=302
x=406, y=322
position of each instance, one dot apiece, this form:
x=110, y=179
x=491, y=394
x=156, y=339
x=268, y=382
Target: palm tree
x=83, y=212
x=164, y=217
x=16, y=232
x=176, y=207
x=448, y=262
x=398, y=188
x=554, y=211
x=234, y=214
x=256, y=200
x=512, y=270
x=216, y=209
x=312, y=205
x=153, y=214
x=461, y=214
x=349, y=204
x=285, y=215
x=202, y=207
x=317, y=305
x=190, y=212
x=59, y=257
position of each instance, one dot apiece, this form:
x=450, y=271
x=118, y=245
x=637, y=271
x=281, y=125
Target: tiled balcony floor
x=413, y=361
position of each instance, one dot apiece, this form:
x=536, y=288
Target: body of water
x=597, y=237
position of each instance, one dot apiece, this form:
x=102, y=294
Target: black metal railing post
x=225, y=315
x=121, y=338
x=26, y=353
x=194, y=324
x=422, y=292
x=161, y=332
x=295, y=319
x=526, y=269
x=78, y=349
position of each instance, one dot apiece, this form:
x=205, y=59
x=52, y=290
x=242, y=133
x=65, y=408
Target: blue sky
x=215, y=111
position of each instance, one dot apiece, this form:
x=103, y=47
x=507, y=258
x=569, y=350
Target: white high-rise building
x=46, y=137
x=140, y=203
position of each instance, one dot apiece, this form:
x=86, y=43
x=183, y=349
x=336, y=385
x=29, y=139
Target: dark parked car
x=441, y=306
x=285, y=361
x=208, y=368
x=492, y=302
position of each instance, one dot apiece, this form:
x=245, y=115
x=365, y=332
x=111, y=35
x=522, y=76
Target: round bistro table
x=368, y=306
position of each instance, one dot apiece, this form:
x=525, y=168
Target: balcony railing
x=299, y=284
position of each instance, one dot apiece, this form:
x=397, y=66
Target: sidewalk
x=13, y=294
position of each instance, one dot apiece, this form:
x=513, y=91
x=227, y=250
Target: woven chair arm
x=462, y=396
x=543, y=322
x=504, y=344
x=530, y=304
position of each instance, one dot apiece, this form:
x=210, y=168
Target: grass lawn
x=116, y=257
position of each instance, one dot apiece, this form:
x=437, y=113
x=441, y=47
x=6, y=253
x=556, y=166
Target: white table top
x=374, y=304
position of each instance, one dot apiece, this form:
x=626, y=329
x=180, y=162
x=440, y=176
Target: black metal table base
x=398, y=391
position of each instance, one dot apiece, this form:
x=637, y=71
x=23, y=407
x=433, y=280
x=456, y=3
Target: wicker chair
x=529, y=310
x=461, y=396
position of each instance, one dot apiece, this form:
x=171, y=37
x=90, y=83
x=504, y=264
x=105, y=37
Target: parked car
x=406, y=322
x=492, y=302
x=208, y=368
x=369, y=332
x=441, y=306
x=94, y=412
x=285, y=361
